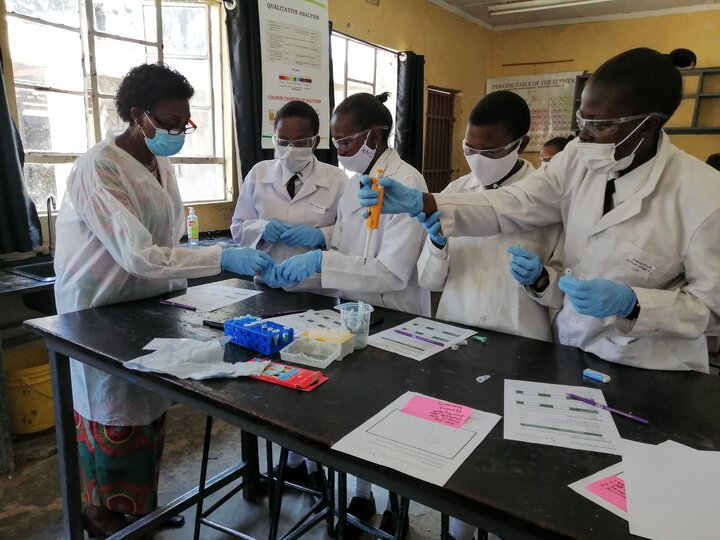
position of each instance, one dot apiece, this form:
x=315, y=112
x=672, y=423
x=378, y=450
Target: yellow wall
x=590, y=44
x=455, y=50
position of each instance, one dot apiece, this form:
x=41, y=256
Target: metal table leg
x=66, y=445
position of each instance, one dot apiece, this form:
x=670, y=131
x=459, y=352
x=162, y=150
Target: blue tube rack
x=252, y=332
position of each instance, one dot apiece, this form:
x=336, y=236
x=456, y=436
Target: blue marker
x=596, y=375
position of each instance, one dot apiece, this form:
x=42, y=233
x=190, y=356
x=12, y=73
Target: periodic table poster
x=550, y=98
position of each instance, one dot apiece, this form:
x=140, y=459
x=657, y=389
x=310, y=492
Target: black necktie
x=609, y=190
x=291, y=186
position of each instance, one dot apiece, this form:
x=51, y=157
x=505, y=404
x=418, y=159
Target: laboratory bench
x=515, y=489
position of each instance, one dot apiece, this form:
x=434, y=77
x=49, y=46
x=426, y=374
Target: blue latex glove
x=300, y=267
x=598, y=297
x=245, y=261
x=432, y=227
x=303, y=235
x=272, y=279
x=398, y=199
x=273, y=230
x=525, y=266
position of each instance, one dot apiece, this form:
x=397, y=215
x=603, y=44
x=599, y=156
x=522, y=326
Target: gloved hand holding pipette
x=397, y=198
x=373, y=212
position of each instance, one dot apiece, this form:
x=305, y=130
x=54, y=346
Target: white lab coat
x=389, y=279
x=264, y=196
x=662, y=241
x=472, y=273
x=118, y=233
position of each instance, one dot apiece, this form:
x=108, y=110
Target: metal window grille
x=438, y=139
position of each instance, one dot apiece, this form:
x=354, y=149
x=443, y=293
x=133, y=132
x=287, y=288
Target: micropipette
x=373, y=219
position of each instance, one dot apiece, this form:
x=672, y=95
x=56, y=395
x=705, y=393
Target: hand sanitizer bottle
x=193, y=232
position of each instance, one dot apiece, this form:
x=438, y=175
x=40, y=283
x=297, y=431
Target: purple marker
x=178, y=304
x=408, y=334
x=610, y=409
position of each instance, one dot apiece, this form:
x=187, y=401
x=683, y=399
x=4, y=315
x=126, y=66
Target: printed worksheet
x=211, y=297
x=542, y=413
x=419, y=338
x=301, y=322
x=425, y=446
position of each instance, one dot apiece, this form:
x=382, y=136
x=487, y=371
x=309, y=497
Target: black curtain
x=243, y=29
x=409, y=119
x=19, y=224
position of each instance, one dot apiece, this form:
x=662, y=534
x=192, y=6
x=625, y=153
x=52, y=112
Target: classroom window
x=68, y=58
x=361, y=67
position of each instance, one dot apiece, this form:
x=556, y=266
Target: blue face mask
x=164, y=144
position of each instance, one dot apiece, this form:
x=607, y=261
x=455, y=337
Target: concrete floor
x=30, y=505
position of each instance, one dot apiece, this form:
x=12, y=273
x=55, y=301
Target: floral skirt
x=120, y=465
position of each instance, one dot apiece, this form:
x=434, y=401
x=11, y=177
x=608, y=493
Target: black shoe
x=387, y=524
x=362, y=509
x=175, y=522
x=294, y=475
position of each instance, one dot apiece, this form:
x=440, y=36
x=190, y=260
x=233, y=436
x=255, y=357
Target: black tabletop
x=520, y=484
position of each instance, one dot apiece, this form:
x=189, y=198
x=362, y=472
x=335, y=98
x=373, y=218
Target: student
x=640, y=217
x=552, y=147
x=288, y=205
x=472, y=272
x=360, y=127
x=118, y=234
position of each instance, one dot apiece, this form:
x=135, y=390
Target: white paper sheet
x=160, y=342
x=419, y=338
x=542, y=413
x=211, y=297
x=421, y=448
x=672, y=491
x=301, y=322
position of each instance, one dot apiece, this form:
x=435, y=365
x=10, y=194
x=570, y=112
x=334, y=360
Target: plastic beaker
x=355, y=318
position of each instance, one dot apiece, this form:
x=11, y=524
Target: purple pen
x=408, y=334
x=178, y=304
x=610, y=409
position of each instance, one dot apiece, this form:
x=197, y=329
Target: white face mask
x=294, y=159
x=488, y=171
x=360, y=161
x=600, y=157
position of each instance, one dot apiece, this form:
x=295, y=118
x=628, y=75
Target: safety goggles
x=492, y=153
x=608, y=127
x=187, y=130
x=308, y=142
x=344, y=143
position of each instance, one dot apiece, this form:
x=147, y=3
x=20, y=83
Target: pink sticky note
x=612, y=489
x=442, y=412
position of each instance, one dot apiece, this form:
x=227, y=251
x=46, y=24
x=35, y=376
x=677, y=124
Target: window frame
x=221, y=132
x=373, y=84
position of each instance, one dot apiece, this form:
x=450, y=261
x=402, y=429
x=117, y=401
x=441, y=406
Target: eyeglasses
x=492, y=153
x=608, y=127
x=344, y=143
x=297, y=143
x=187, y=130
